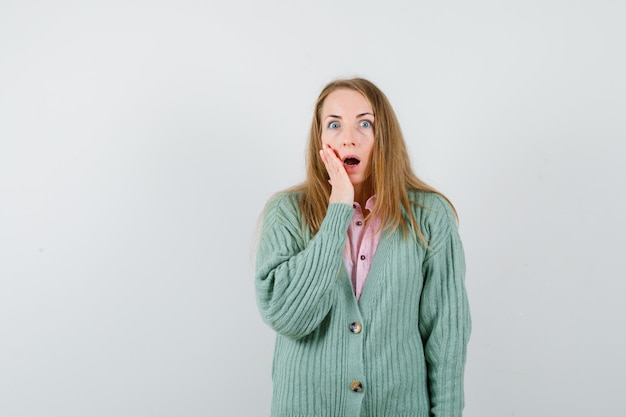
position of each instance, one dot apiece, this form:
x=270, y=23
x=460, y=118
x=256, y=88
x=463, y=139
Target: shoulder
x=430, y=202
x=283, y=199
x=283, y=205
x=432, y=210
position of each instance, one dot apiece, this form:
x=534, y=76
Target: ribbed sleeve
x=444, y=312
x=294, y=279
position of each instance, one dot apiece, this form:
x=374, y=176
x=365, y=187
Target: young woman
x=360, y=271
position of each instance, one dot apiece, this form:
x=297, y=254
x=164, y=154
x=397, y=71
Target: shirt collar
x=369, y=204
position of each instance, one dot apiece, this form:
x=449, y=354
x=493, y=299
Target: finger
x=332, y=159
x=333, y=155
x=327, y=158
x=334, y=167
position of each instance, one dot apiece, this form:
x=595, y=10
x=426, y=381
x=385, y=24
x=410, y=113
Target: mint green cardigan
x=397, y=352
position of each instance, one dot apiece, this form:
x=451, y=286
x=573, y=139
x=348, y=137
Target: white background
x=139, y=141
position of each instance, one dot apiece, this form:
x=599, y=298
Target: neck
x=362, y=194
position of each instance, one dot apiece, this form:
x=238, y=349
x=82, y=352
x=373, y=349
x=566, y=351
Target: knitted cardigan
x=399, y=351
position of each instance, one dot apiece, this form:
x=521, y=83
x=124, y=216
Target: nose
x=349, y=137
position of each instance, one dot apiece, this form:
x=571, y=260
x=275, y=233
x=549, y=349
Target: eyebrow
x=335, y=116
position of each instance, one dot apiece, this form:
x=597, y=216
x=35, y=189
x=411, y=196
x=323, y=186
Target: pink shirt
x=361, y=246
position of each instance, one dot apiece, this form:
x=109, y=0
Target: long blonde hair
x=391, y=174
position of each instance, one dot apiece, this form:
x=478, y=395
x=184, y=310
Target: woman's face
x=348, y=127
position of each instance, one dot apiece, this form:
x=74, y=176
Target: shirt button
x=362, y=257
x=356, y=386
x=359, y=223
x=356, y=327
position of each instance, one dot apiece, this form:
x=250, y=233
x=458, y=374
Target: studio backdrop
x=140, y=140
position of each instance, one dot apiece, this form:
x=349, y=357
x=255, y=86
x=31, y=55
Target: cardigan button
x=356, y=386
x=356, y=327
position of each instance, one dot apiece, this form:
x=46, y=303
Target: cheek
x=369, y=156
x=327, y=140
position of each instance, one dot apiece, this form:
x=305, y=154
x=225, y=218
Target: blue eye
x=365, y=123
x=333, y=125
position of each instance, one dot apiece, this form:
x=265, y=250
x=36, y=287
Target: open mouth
x=351, y=161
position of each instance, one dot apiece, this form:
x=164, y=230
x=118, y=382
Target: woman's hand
x=342, y=189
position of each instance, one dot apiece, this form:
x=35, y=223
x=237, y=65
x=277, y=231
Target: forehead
x=346, y=101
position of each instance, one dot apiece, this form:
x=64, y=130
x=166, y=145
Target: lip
x=351, y=168
x=350, y=155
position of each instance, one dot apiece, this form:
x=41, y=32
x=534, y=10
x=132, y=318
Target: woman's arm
x=445, y=322
x=295, y=281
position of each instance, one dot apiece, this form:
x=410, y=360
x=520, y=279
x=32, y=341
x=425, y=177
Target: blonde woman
x=360, y=271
